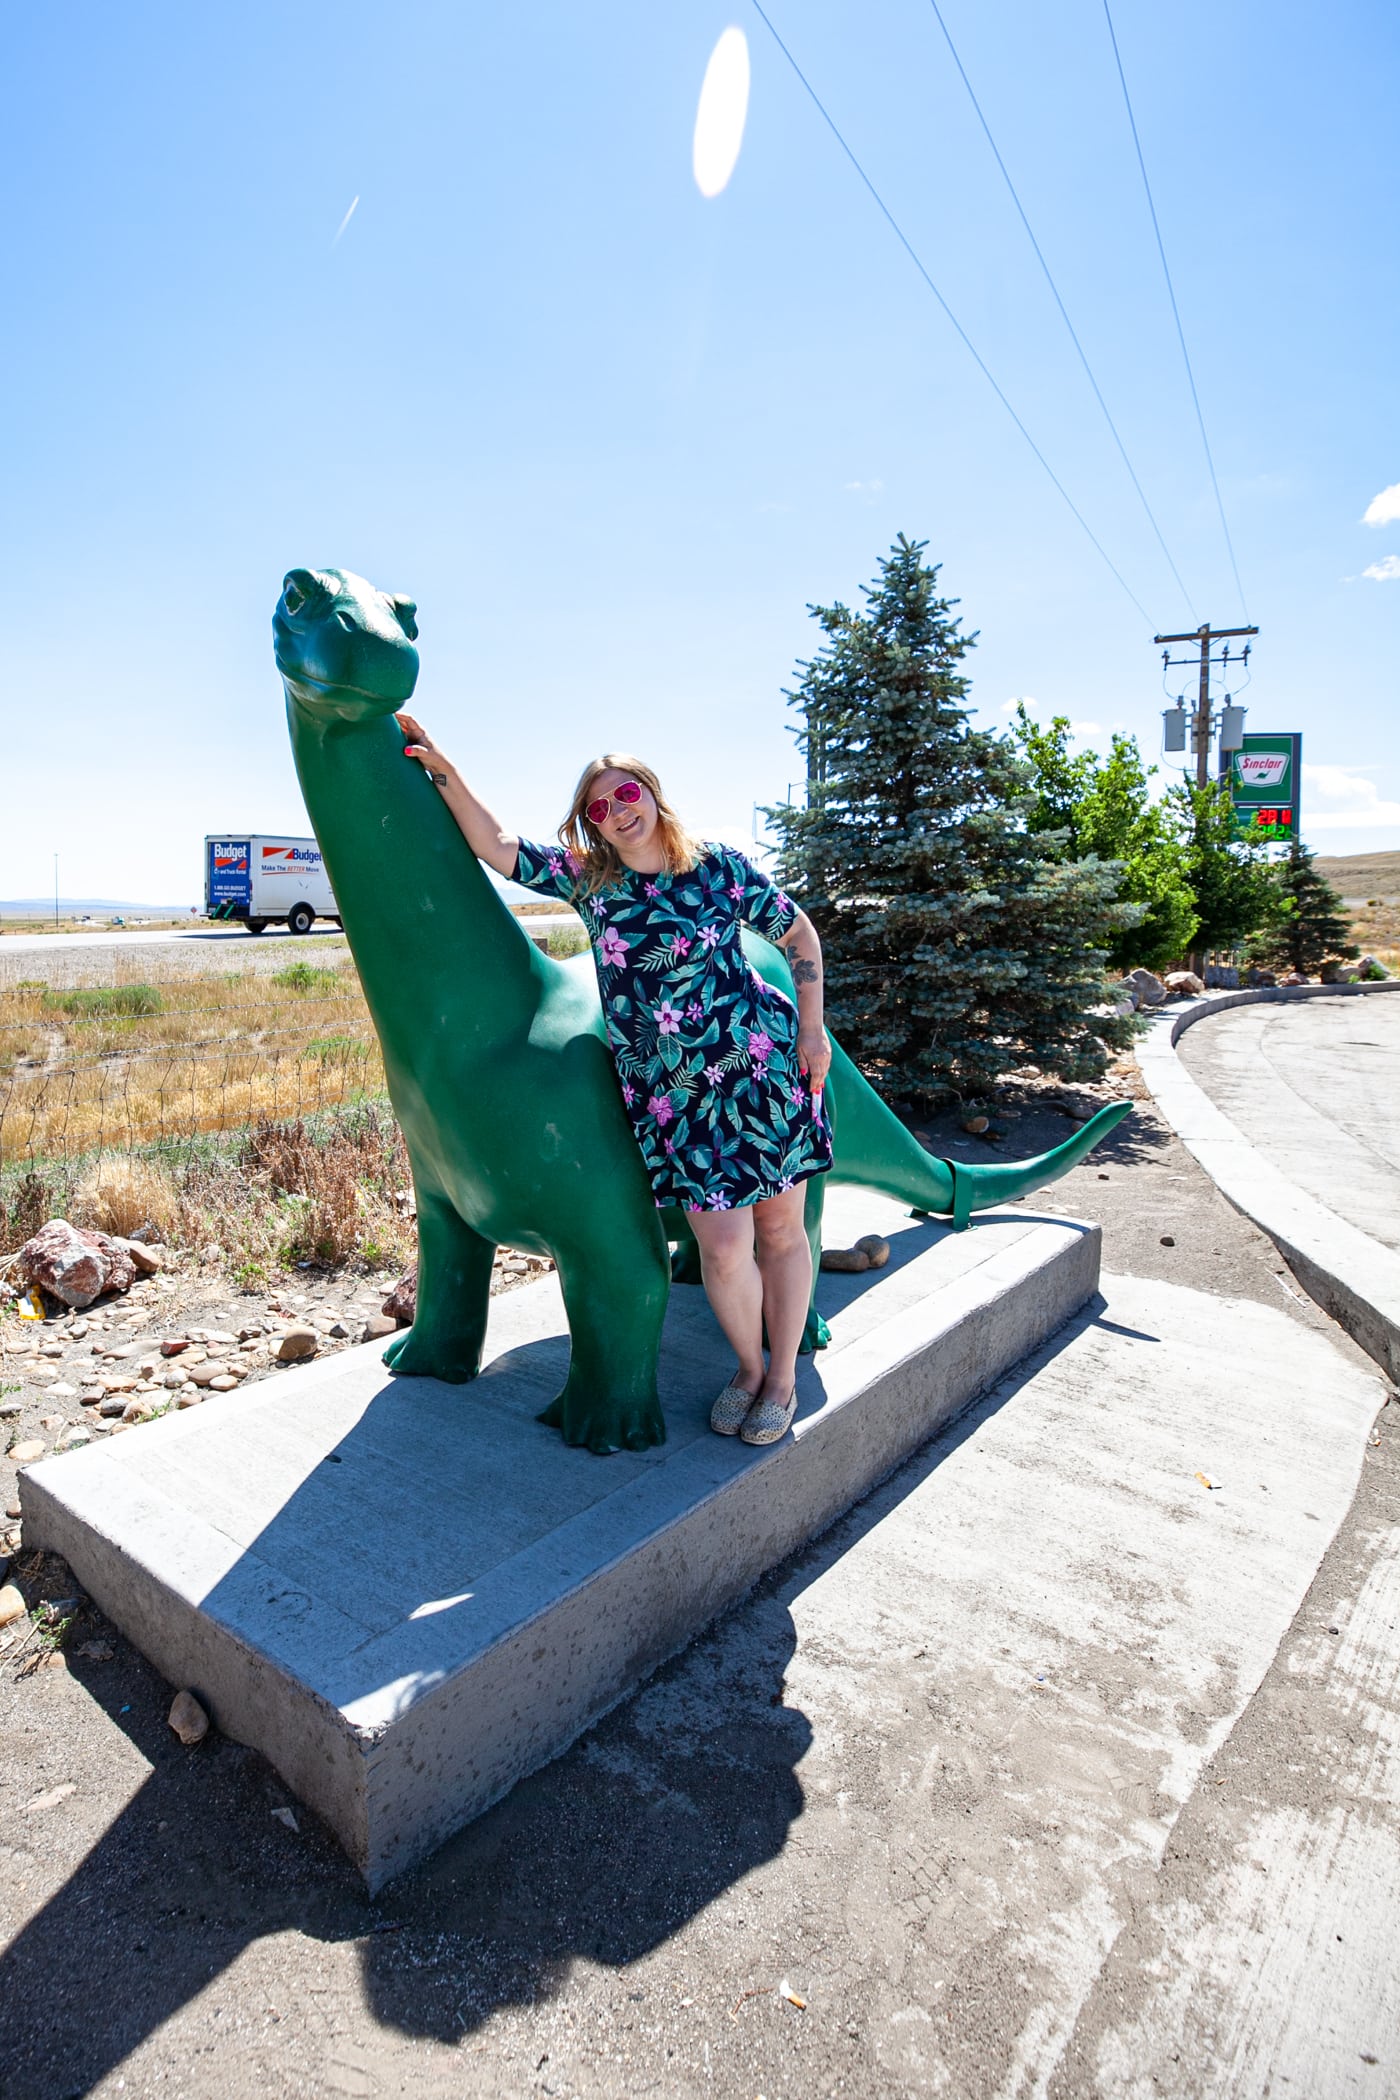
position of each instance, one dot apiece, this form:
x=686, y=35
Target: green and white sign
x=1265, y=777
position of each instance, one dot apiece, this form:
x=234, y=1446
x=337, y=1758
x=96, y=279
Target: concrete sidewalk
x=914, y=1819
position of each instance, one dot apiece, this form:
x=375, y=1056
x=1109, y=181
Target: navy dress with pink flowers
x=706, y=1051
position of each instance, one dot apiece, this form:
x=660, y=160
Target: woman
x=711, y=1061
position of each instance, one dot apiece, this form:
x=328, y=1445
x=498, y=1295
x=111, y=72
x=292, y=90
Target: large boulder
x=1222, y=977
x=1371, y=970
x=1183, y=984
x=1337, y=973
x=1255, y=978
x=1147, y=988
x=73, y=1265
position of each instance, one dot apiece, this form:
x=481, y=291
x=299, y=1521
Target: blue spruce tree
x=959, y=942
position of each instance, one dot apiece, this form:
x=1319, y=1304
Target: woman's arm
x=485, y=834
x=804, y=953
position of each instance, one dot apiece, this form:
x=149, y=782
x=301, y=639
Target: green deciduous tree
x=1309, y=925
x=1104, y=806
x=959, y=942
x=1230, y=880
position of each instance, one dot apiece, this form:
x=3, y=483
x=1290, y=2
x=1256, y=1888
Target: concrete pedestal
x=409, y=1595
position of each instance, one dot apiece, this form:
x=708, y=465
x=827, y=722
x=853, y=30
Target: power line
x=1176, y=314
x=1055, y=294
x=957, y=326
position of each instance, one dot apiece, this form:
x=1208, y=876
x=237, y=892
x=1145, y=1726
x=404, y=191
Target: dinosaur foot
x=815, y=1335
x=603, y=1424
x=415, y=1355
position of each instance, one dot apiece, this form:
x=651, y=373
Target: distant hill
x=1359, y=876
x=74, y=907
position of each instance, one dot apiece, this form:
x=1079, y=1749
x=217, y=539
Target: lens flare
x=719, y=120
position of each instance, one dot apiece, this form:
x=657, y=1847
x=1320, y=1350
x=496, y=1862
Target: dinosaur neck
x=435, y=946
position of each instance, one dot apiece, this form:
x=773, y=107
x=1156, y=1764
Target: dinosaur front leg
x=454, y=1292
x=615, y=1282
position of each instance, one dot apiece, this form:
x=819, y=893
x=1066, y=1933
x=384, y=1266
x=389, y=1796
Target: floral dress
x=706, y=1051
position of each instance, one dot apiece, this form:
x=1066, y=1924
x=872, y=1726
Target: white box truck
x=256, y=877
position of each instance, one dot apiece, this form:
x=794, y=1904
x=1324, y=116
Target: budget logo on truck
x=291, y=856
x=232, y=857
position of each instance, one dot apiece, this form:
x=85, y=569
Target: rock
x=1222, y=977
x=1147, y=989
x=296, y=1345
x=63, y=1392
x=1184, y=984
x=378, y=1326
x=188, y=1719
x=122, y=1383
x=846, y=1261
x=250, y=1334
x=172, y=1380
x=1336, y=973
x=1255, y=979
x=215, y=1339
x=338, y=1331
x=1166, y=1240
x=1293, y=977
x=51, y=1349
x=139, y=1409
x=401, y=1305
x=52, y=1421
x=76, y=1435
x=92, y=1395
x=145, y=1257
x=97, y=1651
x=876, y=1248
x=9, y=1409
x=1371, y=970
x=112, y=1405
x=224, y=1383
x=75, y=1266
x=12, y=1605
x=25, y=1453
x=191, y=1397
x=204, y=1374
x=976, y=1125
x=175, y=1345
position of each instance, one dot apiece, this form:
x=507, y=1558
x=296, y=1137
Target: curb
x=1354, y=1279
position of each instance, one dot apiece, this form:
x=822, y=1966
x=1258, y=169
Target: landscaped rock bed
x=172, y=1338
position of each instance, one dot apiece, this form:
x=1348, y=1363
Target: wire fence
x=83, y=1074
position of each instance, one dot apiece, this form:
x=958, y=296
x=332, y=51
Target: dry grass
x=86, y=1069
x=241, y=1116
x=1375, y=928
x=329, y=1192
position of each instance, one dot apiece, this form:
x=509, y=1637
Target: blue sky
x=614, y=436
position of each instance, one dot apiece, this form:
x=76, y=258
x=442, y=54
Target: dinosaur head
x=344, y=649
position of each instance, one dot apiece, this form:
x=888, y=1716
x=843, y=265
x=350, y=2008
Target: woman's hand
x=814, y=1056
x=420, y=745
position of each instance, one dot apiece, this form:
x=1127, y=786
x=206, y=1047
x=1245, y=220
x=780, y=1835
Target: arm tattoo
x=804, y=971
x=439, y=780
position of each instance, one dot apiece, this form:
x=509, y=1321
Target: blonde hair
x=596, y=860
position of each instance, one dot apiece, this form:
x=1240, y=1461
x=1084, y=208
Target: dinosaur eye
x=344, y=620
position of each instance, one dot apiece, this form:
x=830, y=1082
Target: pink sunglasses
x=597, y=812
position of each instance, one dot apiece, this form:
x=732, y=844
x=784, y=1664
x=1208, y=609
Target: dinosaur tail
x=873, y=1149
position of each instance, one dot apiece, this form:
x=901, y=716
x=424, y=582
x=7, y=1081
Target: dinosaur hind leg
x=816, y=1334
x=615, y=1277
x=454, y=1292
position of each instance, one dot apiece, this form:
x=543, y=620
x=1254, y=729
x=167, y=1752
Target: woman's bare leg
x=733, y=1285
x=785, y=1265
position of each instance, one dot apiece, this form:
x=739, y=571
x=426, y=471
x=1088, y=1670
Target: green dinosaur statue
x=496, y=1058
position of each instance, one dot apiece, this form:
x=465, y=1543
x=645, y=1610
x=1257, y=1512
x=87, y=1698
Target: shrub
x=99, y=1000
x=307, y=977
x=121, y=1192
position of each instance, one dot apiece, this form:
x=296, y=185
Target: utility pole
x=1204, y=636
x=55, y=893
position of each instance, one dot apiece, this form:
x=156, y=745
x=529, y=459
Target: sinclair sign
x=1265, y=777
